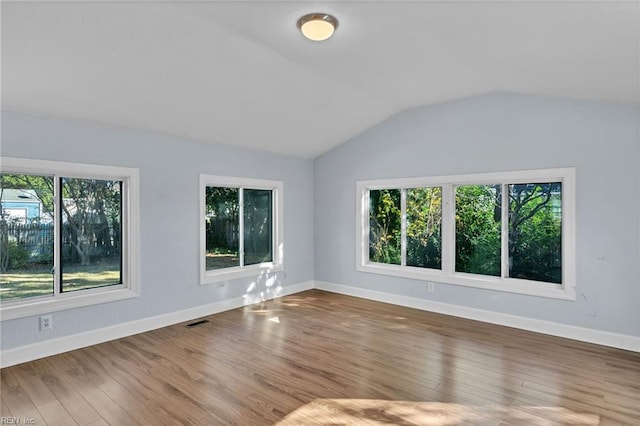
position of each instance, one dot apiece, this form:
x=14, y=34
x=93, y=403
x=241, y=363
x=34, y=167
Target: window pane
x=535, y=232
x=384, y=226
x=478, y=222
x=258, y=226
x=222, y=227
x=424, y=220
x=91, y=212
x=26, y=236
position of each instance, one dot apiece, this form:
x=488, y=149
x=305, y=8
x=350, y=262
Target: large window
x=510, y=231
x=241, y=227
x=66, y=235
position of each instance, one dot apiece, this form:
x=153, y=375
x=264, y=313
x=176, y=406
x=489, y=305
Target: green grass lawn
x=39, y=281
x=216, y=260
x=221, y=260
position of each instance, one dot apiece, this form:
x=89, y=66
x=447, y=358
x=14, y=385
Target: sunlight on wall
x=266, y=286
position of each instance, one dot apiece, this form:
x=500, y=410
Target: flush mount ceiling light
x=317, y=26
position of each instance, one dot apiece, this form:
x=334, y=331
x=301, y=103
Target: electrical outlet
x=46, y=322
x=430, y=287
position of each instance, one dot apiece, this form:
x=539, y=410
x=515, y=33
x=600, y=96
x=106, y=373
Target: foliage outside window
x=454, y=229
x=424, y=227
x=417, y=242
x=65, y=231
x=241, y=227
x=478, y=229
x=385, y=226
x=535, y=232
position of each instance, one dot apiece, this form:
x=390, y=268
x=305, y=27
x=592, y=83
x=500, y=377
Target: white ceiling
x=238, y=72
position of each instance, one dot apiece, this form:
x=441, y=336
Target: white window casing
x=57, y=301
x=243, y=271
x=447, y=274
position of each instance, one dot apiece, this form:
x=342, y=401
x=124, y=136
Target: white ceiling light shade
x=317, y=26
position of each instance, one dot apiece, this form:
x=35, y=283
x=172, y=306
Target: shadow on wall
x=378, y=412
x=268, y=285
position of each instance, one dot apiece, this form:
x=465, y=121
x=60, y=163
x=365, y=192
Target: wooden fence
x=37, y=240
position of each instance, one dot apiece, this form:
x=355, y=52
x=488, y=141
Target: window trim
x=447, y=274
x=235, y=272
x=20, y=308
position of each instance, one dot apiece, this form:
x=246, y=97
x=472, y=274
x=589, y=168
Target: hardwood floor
x=317, y=358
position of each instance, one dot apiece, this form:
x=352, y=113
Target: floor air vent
x=193, y=324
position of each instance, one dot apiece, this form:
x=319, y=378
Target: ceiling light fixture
x=317, y=26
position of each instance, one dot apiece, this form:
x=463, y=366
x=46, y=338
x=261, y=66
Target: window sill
x=228, y=274
x=510, y=285
x=45, y=304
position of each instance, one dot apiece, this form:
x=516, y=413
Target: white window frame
x=447, y=273
x=129, y=288
x=235, y=272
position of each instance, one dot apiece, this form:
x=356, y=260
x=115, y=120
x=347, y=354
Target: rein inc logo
x=5, y=420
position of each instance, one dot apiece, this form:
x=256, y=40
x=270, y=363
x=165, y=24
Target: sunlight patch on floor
x=381, y=412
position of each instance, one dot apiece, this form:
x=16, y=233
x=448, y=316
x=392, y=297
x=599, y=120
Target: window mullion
x=403, y=227
x=241, y=226
x=504, y=233
x=275, y=253
x=448, y=229
x=57, y=235
x=365, y=212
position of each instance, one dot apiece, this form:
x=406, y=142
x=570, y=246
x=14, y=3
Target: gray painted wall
x=169, y=220
x=502, y=132
x=488, y=133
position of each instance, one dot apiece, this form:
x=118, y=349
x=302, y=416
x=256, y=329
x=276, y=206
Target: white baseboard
x=620, y=341
x=68, y=343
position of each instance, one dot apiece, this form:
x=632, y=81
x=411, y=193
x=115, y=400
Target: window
x=241, y=227
x=415, y=241
x=510, y=231
x=73, y=243
x=478, y=229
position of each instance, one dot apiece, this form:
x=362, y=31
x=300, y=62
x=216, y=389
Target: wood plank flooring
x=318, y=358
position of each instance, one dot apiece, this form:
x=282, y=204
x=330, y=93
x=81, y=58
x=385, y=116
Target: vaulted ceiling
x=239, y=72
